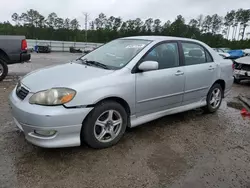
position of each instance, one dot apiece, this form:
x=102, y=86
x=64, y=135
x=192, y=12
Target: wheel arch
x=119, y=100
x=222, y=84
x=4, y=55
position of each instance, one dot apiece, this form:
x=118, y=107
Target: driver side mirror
x=148, y=66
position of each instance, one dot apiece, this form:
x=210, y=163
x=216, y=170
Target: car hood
x=66, y=75
x=243, y=60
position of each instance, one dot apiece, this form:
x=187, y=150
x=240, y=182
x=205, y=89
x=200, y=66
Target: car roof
x=159, y=38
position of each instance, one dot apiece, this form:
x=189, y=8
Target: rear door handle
x=211, y=68
x=179, y=73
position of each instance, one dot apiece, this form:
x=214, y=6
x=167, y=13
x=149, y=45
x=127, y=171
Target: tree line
x=216, y=31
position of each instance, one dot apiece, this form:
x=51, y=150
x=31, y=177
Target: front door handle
x=179, y=73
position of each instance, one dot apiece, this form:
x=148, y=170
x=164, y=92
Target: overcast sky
x=127, y=9
x=163, y=9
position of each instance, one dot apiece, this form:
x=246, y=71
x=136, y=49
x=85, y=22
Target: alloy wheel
x=215, y=98
x=108, y=126
x=1, y=70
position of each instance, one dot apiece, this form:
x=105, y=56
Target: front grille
x=21, y=92
x=244, y=67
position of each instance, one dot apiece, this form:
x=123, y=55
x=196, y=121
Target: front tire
x=105, y=125
x=214, y=99
x=3, y=69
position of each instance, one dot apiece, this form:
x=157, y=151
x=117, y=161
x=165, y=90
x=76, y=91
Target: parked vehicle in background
x=247, y=52
x=88, y=49
x=242, y=69
x=222, y=53
x=13, y=49
x=225, y=50
x=124, y=83
x=74, y=50
x=235, y=54
x=43, y=48
x=30, y=49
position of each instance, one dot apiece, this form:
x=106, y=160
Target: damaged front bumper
x=242, y=71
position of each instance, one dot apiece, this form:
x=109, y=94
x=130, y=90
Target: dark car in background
x=43, y=48
x=13, y=49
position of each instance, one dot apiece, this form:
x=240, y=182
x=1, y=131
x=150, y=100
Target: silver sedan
x=124, y=83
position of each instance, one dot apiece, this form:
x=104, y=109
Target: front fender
x=125, y=91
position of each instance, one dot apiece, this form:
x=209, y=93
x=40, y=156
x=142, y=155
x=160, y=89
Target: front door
x=163, y=88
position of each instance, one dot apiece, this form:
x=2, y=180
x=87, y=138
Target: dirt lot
x=189, y=149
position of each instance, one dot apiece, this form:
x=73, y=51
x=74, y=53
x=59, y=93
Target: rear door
x=200, y=71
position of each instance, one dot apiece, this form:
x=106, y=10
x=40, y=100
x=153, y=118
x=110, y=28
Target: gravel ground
x=40, y=61
x=189, y=149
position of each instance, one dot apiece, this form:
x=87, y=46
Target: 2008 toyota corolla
x=124, y=83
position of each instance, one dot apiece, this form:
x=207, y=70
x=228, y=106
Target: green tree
x=117, y=23
x=216, y=23
x=51, y=20
x=193, y=23
x=244, y=18
x=157, y=26
x=92, y=25
x=74, y=24
x=40, y=21
x=166, y=28
x=229, y=20
x=101, y=21
x=207, y=24
x=110, y=23
x=103, y=28
x=178, y=27
x=138, y=25
x=200, y=21
x=16, y=18
x=66, y=24
x=148, y=24
x=59, y=23
x=238, y=22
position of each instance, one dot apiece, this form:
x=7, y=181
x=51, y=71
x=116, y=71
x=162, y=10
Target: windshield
x=116, y=54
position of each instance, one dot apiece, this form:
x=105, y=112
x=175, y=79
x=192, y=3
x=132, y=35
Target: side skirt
x=135, y=121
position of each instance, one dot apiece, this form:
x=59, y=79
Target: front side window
x=118, y=53
x=165, y=54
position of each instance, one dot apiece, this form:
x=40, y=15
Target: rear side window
x=195, y=54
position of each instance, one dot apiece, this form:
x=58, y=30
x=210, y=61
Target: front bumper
x=242, y=74
x=31, y=118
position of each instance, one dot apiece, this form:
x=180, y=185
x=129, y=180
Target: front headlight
x=52, y=97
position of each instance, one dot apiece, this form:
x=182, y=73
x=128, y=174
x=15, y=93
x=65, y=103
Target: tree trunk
x=233, y=32
x=228, y=31
x=238, y=35
x=243, y=32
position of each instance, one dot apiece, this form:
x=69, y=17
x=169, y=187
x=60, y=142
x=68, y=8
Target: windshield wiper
x=95, y=63
x=98, y=64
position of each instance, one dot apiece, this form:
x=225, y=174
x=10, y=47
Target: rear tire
x=3, y=69
x=98, y=122
x=214, y=99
